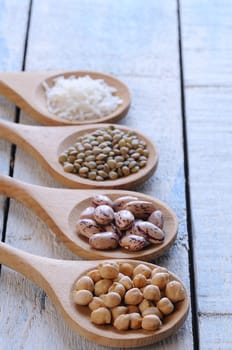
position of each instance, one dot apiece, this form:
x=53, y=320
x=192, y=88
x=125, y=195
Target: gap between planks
x=195, y=323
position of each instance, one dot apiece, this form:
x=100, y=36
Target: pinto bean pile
x=126, y=222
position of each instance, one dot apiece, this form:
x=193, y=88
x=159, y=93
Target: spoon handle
x=27, y=264
x=47, y=273
x=14, y=189
x=17, y=133
x=20, y=88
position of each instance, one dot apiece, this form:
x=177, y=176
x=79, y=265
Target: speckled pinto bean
x=150, y=232
x=124, y=219
x=104, y=214
x=140, y=209
x=157, y=218
x=101, y=199
x=120, y=202
x=88, y=227
x=133, y=243
x=87, y=213
x=104, y=240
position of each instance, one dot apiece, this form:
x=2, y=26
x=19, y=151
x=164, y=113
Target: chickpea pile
x=105, y=154
x=128, y=296
x=127, y=222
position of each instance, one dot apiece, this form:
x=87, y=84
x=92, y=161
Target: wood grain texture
x=206, y=32
x=120, y=38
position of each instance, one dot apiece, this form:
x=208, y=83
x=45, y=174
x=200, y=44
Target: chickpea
x=118, y=310
x=152, y=292
x=165, y=306
x=111, y=299
x=140, y=280
x=85, y=282
x=144, y=305
x=108, y=270
x=135, y=320
x=127, y=282
x=101, y=316
x=126, y=269
x=82, y=297
x=153, y=311
x=118, y=288
x=133, y=296
x=143, y=269
x=96, y=303
x=102, y=286
x=160, y=279
x=175, y=291
x=120, y=275
x=94, y=275
x=158, y=269
x=132, y=308
x=151, y=322
x=122, y=322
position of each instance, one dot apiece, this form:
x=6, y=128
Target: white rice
x=81, y=98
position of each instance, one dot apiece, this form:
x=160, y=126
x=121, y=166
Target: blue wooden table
x=176, y=58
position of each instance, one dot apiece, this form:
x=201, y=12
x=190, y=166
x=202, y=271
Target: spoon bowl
x=57, y=278
x=26, y=90
x=62, y=217
x=45, y=143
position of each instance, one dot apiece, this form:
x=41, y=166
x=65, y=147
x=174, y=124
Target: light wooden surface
x=140, y=45
x=206, y=28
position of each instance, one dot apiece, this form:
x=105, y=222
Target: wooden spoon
x=60, y=209
x=45, y=144
x=57, y=278
x=26, y=90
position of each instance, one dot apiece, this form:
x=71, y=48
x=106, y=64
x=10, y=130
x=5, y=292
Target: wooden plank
x=210, y=145
x=206, y=28
x=216, y=339
x=12, y=39
x=103, y=36
x=207, y=43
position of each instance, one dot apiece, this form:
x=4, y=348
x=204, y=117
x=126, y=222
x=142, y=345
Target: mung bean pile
x=105, y=154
